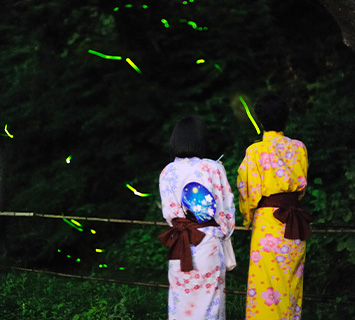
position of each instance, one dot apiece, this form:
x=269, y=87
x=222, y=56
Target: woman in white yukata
x=197, y=202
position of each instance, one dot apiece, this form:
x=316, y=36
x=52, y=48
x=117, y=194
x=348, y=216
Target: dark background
x=59, y=100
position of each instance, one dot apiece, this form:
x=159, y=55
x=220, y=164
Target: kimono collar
x=268, y=135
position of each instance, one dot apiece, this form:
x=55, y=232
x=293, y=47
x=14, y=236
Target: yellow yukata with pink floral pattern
x=275, y=281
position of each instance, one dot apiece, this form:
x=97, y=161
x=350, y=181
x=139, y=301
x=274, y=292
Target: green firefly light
x=144, y=6
x=104, y=56
x=129, y=5
x=199, y=61
x=99, y=250
x=68, y=256
x=137, y=193
x=93, y=231
x=76, y=222
x=217, y=67
x=78, y=260
x=116, y=9
x=165, y=22
x=192, y=24
x=121, y=268
x=73, y=225
x=67, y=160
x=249, y=115
x=7, y=132
x=131, y=63
x=59, y=250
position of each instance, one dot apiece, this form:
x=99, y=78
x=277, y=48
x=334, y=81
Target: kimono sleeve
x=225, y=211
x=249, y=186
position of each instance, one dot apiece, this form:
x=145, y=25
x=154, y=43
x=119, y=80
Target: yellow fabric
x=275, y=282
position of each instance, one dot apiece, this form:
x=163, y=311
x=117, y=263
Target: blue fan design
x=197, y=199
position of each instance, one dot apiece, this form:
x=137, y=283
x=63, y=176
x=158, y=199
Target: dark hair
x=272, y=112
x=188, y=138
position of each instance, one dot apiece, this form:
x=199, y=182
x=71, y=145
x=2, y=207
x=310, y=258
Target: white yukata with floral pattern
x=200, y=293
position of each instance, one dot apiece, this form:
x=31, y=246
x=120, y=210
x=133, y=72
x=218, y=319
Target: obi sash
x=289, y=212
x=179, y=237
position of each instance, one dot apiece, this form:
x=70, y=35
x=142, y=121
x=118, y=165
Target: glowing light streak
x=192, y=24
x=104, y=56
x=102, y=265
x=93, y=231
x=121, y=268
x=144, y=6
x=67, y=160
x=59, y=250
x=199, y=61
x=217, y=67
x=76, y=222
x=116, y=9
x=131, y=63
x=136, y=192
x=78, y=260
x=249, y=115
x=68, y=256
x=8, y=133
x=165, y=22
x=99, y=250
x=72, y=225
x=129, y=5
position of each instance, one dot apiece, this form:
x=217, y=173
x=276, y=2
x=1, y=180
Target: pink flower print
x=188, y=313
x=251, y=292
x=197, y=276
x=218, y=187
x=217, y=172
x=209, y=180
x=280, y=173
x=280, y=259
x=299, y=271
x=241, y=185
x=302, y=181
x=255, y=256
x=208, y=285
x=271, y=296
x=285, y=249
x=289, y=154
x=269, y=243
x=265, y=160
x=206, y=168
x=228, y=216
x=221, y=214
x=187, y=290
x=208, y=274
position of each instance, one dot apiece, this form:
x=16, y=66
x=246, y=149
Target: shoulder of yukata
x=299, y=144
x=211, y=166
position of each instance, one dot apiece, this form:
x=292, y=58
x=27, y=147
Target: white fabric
x=200, y=293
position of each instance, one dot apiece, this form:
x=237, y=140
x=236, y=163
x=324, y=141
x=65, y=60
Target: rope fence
x=317, y=228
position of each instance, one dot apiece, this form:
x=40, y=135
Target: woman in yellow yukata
x=271, y=180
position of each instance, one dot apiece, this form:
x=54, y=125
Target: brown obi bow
x=178, y=239
x=289, y=212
